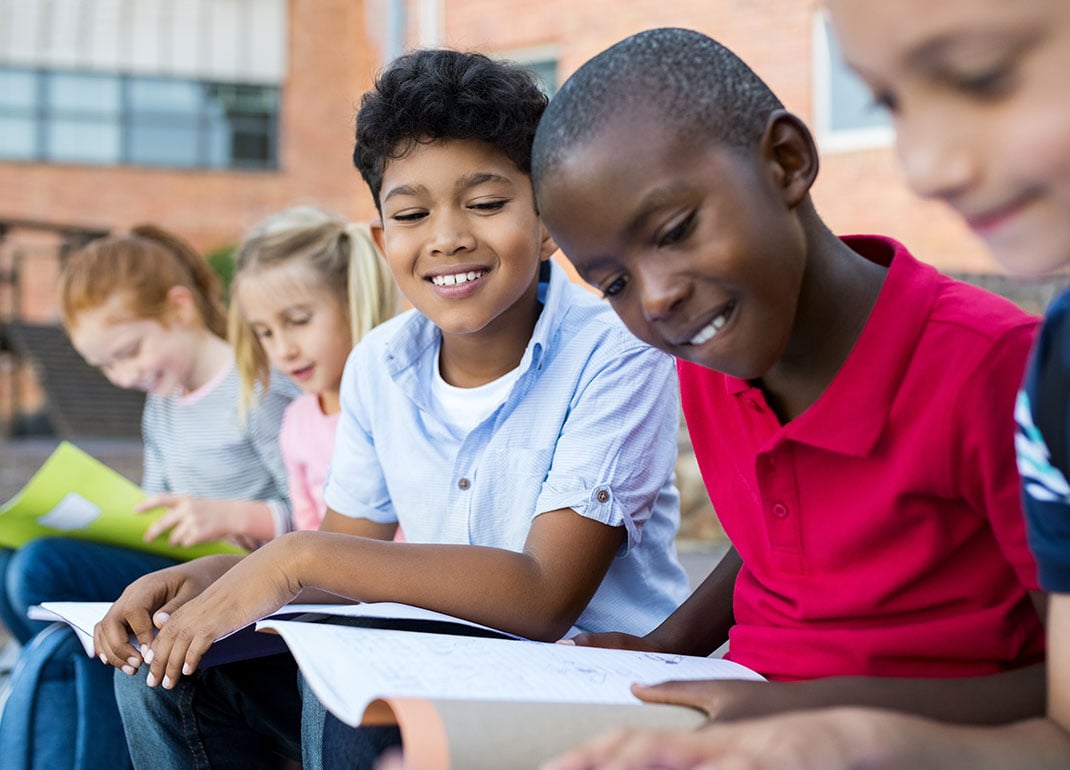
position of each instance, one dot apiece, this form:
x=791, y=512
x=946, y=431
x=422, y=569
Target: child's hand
x=820, y=740
x=616, y=640
x=146, y=604
x=256, y=586
x=721, y=699
x=191, y=520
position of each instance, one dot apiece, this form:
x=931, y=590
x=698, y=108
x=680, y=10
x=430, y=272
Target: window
x=845, y=115
x=542, y=61
x=72, y=117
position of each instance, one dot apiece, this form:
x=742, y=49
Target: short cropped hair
x=689, y=80
x=434, y=94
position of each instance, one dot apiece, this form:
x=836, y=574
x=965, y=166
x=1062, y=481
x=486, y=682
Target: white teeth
x=456, y=279
x=709, y=331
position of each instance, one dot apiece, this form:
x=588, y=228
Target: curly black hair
x=434, y=94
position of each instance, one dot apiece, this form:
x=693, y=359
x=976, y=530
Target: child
x=519, y=435
x=145, y=308
x=977, y=91
x=308, y=286
x=844, y=399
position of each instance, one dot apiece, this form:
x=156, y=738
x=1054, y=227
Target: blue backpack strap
x=60, y=711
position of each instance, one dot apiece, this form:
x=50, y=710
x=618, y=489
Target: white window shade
x=218, y=40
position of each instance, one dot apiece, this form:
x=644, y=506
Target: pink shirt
x=307, y=443
x=881, y=531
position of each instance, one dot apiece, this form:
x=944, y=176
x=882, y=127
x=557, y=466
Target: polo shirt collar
x=850, y=415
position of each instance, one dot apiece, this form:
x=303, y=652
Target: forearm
x=987, y=700
x=700, y=625
x=895, y=742
x=496, y=587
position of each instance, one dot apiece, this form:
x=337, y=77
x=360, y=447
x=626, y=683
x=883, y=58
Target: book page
x=244, y=644
x=348, y=668
x=74, y=495
x=490, y=735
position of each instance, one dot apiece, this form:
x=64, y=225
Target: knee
x=132, y=694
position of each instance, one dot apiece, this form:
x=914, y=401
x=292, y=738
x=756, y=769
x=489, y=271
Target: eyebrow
x=649, y=204
x=464, y=183
x=933, y=53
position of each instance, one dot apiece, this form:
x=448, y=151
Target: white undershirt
x=464, y=408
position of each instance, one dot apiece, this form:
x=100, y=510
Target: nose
x=283, y=346
x=450, y=234
x=939, y=160
x=661, y=295
x=123, y=375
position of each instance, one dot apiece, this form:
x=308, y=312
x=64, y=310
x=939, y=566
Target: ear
x=547, y=246
x=376, y=228
x=181, y=307
x=788, y=148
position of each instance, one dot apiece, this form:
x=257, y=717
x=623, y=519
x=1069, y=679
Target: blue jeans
x=64, y=569
x=237, y=715
x=61, y=569
x=355, y=748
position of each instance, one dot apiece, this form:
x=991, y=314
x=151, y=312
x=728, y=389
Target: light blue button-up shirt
x=591, y=424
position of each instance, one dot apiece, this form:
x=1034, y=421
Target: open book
x=245, y=643
x=465, y=696
x=484, y=703
x=75, y=495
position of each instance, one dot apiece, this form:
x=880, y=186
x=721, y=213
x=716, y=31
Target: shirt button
x=463, y=484
x=602, y=496
x=780, y=510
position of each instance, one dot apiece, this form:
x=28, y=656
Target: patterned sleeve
x=356, y=486
x=617, y=449
x=264, y=422
x=153, y=476
x=1043, y=444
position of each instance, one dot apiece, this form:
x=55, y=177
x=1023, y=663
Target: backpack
x=60, y=710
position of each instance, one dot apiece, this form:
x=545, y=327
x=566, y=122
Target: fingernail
x=148, y=655
x=103, y=658
x=163, y=617
x=135, y=662
x=566, y=641
x=150, y=680
x=128, y=670
x=187, y=669
x=167, y=682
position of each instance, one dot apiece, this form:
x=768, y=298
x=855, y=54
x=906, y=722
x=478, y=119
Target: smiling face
x=979, y=95
x=301, y=325
x=462, y=238
x=696, y=247
x=139, y=353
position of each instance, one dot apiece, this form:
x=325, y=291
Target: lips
x=997, y=216
x=303, y=373
x=711, y=328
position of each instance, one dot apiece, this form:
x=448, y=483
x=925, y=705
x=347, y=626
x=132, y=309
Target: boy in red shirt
x=851, y=408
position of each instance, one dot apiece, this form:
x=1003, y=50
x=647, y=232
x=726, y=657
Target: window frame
x=837, y=140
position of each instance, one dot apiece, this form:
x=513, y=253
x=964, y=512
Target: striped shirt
x=198, y=445
x=590, y=424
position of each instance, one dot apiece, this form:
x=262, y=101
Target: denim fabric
x=16, y=622
x=355, y=748
x=62, y=569
x=234, y=716
x=60, y=712
x=78, y=694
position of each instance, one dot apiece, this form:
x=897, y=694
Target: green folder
x=76, y=495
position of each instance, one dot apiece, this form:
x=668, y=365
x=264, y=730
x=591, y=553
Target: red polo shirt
x=881, y=531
